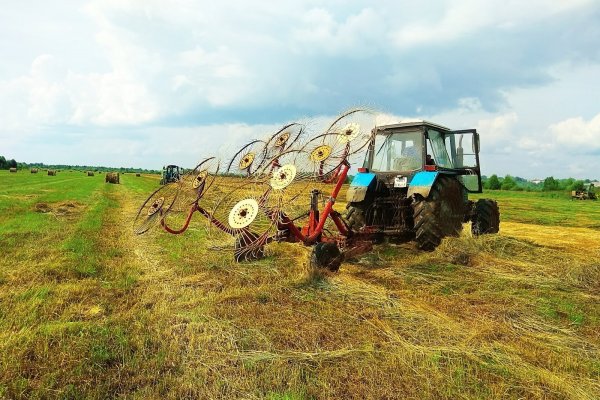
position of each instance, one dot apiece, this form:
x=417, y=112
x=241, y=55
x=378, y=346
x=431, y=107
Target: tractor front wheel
x=486, y=218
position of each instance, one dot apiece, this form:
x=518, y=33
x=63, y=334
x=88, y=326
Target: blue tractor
x=171, y=174
x=414, y=185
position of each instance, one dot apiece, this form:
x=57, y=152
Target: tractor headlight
x=400, y=181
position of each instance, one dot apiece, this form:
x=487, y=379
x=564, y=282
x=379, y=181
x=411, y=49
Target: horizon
x=129, y=82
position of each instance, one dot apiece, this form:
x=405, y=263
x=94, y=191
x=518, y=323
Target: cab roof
x=412, y=123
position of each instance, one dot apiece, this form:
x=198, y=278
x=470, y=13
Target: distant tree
x=550, y=184
x=508, y=183
x=577, y=185
x=565, y=184
x=3, y=164
x=493, y=182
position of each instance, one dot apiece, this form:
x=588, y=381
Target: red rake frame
x=352, y=243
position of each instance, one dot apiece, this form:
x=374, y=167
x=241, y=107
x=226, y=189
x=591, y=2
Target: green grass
x=88, y=310
x=554, y=208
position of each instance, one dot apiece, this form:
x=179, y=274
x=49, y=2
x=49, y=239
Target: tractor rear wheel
x=326, y=255
x=355, y=217
x=486, y=217
x=440, y=214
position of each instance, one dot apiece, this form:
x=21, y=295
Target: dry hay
x=90, y=173
x=62, y=209
x=13, y=170
x=51, y=172
x=34, y=170
x=112, y=177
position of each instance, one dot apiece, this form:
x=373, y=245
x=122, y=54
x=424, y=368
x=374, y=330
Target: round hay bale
x=34, y=170
x=90, y=173
x=51, y=172
x=13, y=170
x=138, y=175
x=112, y=177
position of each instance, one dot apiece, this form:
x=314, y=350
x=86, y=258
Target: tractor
x=171, y=174
x=414, y=185
x=587, y=193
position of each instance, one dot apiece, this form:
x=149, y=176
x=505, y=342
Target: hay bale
x=90, y=173
x=13, y=170
x=112, y=177
x=138, y=175
x=34, y=170
x=51, y=172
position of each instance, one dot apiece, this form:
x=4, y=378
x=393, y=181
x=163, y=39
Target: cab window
x=398, y=151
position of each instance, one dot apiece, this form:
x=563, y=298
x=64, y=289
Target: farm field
x=89, y=310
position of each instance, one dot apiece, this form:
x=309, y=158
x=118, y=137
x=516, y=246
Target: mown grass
x=89, y=311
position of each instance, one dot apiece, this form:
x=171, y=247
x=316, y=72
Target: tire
x=355, y=217
x=486, y=218
x=440, y=214
x=326, y=255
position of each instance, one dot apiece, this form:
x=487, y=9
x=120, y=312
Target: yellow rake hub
x=200, y=179
x=321, y=153
x=155, y=206
x=246, y=161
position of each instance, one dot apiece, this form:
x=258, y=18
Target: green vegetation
x=87, y=310
x=550, y=184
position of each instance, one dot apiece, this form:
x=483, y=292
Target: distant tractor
x=414, y=185
x=587, y=193
x=171, y=173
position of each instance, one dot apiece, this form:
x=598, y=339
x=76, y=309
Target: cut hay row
x=112, y=177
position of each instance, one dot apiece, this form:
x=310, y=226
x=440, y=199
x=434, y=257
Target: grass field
x=88, y=310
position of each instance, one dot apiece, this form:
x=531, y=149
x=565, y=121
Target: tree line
x=6, y=164
x=520, y=184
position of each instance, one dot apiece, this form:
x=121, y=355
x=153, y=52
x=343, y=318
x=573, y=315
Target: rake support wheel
x=326, y=255
x=440, y=214
x=486, y=217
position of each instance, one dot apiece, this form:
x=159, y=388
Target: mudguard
x=359, y=187
x=421, y=183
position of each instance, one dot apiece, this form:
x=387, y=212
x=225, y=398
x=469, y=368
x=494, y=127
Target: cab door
x=463, y=146
x=456, y=152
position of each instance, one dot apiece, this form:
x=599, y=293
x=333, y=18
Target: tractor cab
x=400, y=153
x=171, y=173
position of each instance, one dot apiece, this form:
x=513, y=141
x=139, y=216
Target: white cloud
x=577, y=133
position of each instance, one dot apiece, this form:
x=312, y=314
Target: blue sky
x=145, y=83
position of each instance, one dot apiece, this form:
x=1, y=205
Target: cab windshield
x=398, y=151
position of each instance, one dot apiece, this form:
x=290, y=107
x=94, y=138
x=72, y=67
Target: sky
x=145, y=83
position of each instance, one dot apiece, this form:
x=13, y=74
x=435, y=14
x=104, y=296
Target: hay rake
x=270, y=191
